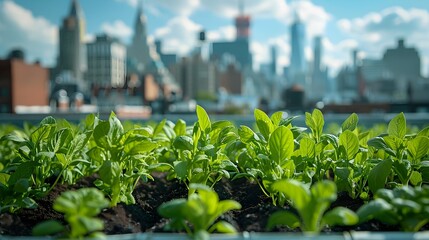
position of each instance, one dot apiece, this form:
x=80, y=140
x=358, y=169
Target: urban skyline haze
x=366, y=25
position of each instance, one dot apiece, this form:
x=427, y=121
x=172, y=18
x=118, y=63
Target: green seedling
x=311, y=205
x=198, y=213
x=79, y=208
x=405, y=206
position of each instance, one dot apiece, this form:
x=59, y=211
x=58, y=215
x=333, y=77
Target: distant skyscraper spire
x=139, y=49
x=240, y=7
x=242, y=23
x=72, y=50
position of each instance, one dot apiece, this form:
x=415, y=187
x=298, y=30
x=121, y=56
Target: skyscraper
x=242, y=23
x=297, y=61
x=72, y=52
x=240, y=48
x=318, y=80
x=139, y=50
x=143, y=59
x=106, y=62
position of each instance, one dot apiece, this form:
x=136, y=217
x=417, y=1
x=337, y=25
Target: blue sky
x=369, y=25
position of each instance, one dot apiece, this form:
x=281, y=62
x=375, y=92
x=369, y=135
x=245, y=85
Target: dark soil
x=143, y=216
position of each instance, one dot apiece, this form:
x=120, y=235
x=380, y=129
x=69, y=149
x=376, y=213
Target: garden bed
x=143, y=217
x=131, y=181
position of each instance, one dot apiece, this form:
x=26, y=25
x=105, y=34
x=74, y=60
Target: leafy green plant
x=124, y=158
x=266, y=157
x=199, y=157
x=311, y=205
x=53, y=152
x=79, y=208
x=404, y=206
x=198, y=213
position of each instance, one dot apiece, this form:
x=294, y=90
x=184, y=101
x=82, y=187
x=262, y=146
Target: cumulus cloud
x=179, y=35
x=226, y=33
x=182, y=7
x=117, y=29
x=21, y=29
x=314, y=17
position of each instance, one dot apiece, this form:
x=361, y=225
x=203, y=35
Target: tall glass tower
x=297, y=61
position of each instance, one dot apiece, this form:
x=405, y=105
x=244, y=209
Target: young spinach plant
x=311, y=205
x=404, y=206
x=197, y=214
x=80, y=208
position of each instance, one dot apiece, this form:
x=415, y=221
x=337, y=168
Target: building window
x=4, y=92
x=4, y=108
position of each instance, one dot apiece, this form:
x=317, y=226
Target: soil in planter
x=143, y=216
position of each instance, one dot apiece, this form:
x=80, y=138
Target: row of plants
x=300, y=167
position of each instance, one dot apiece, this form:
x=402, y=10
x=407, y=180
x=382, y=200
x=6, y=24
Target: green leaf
x=4, y=178
x=379, y=143
x=424, y=132
x=276, y=118
x=307, y=147
x=324, y=190
x=180, y=127
x=181, y=169
x=418, y=148
x=173, y=208
x=143, y=147
x=24, y=171
x=183, y=143
x=281, y=144
x=21, y=186
x=350, y=123
x=246, y=134
x=294, y=190
x=397, y=126
x=416, y=178
x=350, y=142
x=372, y=209
x=264, y=123
x=203, y=118
x=223, y=227
x=48, y=227
x=201, y=235
x=378, y=175
x=227, y=205
x=101, y=133
x=159, y=127
x=109, y=172
x=283, y=218
x=340, y=216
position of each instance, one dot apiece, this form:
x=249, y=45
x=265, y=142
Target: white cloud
x=179, y=35
x=182, y=7
x=117, y=29
x=20, y=28
x=314, y=17
x=221, y=34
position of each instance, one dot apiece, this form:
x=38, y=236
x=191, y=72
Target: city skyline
x=370, y=27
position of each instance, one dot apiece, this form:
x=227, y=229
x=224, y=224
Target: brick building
x=22, y=84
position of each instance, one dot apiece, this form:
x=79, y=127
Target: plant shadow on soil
x=143, y=216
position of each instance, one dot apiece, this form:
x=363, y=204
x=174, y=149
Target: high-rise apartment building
x=72, y=51
x=106, y=62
